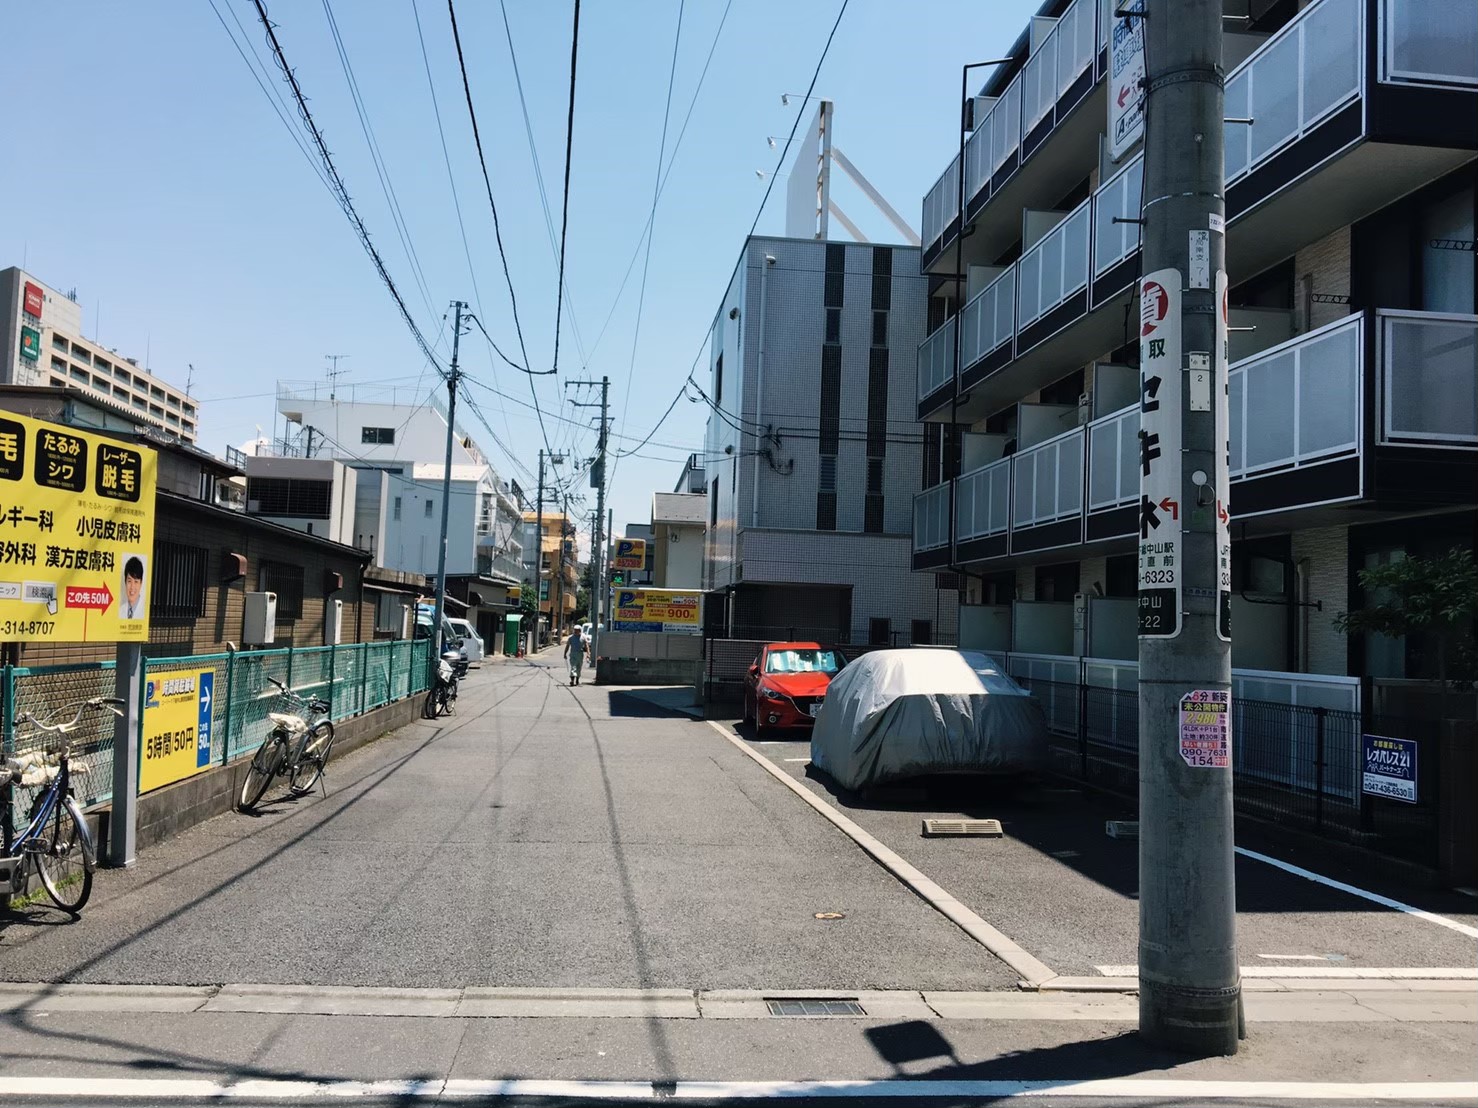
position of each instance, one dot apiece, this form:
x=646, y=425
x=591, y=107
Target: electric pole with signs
x=446, y=488
x=1189, y=981
x=598, y=480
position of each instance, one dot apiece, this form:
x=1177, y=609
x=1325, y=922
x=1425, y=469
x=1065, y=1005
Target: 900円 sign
x=76, y=534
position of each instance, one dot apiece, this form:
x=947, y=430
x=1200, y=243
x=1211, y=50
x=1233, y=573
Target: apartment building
x=553, y=536
x=1350, y=210
x=813, y=452
x=44, y=345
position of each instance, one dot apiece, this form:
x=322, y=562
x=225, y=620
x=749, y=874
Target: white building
x=42, y=332
x=679, y=522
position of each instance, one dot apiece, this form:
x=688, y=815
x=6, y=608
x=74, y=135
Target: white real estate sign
x=1126, y=71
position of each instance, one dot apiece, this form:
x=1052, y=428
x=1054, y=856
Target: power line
x=341, y=193
x=564, y=220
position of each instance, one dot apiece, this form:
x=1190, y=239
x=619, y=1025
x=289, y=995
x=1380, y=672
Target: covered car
x=895, y=714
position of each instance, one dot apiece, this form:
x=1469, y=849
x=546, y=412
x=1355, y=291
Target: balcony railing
x=937, y=359
x=1047, y=481
x=989, y=319
x=1307, y=70
x=983, y=502
x=1429, y=379
x=1117, y=198
x=1413, y=54
x=942, y=204
x=1299, y=402
x=1113, y=460
x=931, y=518
x=1065, y=52
x=1055, y=268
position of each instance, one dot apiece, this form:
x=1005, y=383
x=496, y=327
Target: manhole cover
x=817, y=1007
x=987, y=827
x=831, y=915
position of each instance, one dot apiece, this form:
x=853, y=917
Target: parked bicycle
x=298, y=747
x=441, y=700
x=56, y=842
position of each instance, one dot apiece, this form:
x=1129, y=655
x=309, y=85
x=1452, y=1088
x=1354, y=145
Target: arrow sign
x=1171, y=506
x=205, y=699
x=1221, y=512
x=1124, y=95
x=98, y=599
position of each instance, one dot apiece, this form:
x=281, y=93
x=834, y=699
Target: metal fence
x=354, y=678
x=1294, y=765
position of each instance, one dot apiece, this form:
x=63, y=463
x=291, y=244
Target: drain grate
x=804, y=1007
x=987, y=827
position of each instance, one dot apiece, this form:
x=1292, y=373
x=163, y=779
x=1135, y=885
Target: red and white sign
x=98, y=599
x=1154, y=305
x=1206, y=729
x=34, y=301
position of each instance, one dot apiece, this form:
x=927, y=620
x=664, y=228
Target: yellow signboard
x=656, y=610
x=179, y=708
x=630, y=554
x=76, y=534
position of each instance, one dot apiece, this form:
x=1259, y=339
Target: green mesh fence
x=52, y=695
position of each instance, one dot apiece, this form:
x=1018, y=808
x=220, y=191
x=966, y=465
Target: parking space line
x=1032, y=971
x=1310, y=875
x=1347, y=973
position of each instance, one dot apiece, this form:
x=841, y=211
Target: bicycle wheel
x=432, y=704
x=265, y=765
x=314, y=757
x=68, y=858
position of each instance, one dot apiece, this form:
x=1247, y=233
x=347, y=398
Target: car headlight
x=771, y=694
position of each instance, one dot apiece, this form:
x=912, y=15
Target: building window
x=395, y=508
x=389, y=611
x=378, y=436
x=875, y=476
x=828, y=478
x=81, y=355
x=713, y=504
x=921, y=632
x=833, y=325
x=179, y=582
x=879, y=631
x=59, y=341
x=172, y=401
x=880, y=328
x=138, y=402
x=287, y=582
x=430, y=507
x=289, y=498
x=718, y=380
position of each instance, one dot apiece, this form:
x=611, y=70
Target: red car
x=787, y=683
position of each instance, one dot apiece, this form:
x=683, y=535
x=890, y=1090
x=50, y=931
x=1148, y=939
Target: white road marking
x=107, y=1089
x=1310, y=875
x=797, y=759
x=1349, y=973
x=1296, y=957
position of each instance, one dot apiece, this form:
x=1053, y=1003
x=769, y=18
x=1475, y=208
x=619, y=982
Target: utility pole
x=598, y=479
x=446, y=484
x=554, y=459
x=1189, y=981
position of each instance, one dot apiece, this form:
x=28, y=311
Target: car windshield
x=803, y=661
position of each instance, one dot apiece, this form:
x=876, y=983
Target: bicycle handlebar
x=96, y=703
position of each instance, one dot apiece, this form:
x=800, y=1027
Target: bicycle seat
x=288, y=720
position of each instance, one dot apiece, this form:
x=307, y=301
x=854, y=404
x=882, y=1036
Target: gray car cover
x=894, y=714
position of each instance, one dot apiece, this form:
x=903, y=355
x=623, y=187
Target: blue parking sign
x=206, y=692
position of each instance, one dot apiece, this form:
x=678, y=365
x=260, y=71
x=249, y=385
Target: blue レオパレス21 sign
x=1388, y=768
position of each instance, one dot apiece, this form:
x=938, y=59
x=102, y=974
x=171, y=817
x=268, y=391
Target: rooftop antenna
x=334, y=372
x=190, y=379
x=809, y=204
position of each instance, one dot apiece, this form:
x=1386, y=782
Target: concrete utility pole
x=538, y=559
x=446, y=485
x=598, y=479
x=1189, y=981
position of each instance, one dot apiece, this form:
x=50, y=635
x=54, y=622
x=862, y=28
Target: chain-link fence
x=354, y=679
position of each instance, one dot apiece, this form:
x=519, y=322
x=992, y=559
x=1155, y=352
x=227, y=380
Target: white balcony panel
x=931, y=518
x=988, y=319
x=977, y=154
x=1054, y=268
x=1075, y=38
x=1297, y=403
x=1039, y=84
x=983, y=502
x=941, y=204
x=1005, y=129
x=937, y=359
x=1429, y=379
x=1113, y=460
x=1303, y=73
x=1047, y=481
x=1430, y=42
x=1118, y=198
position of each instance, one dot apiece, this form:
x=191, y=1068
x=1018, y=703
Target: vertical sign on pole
x=1221, y=386
x=1159, y=455
x=1126, y=82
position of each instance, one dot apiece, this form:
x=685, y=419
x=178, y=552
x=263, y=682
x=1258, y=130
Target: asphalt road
x=544, y=836
x=1059, y=886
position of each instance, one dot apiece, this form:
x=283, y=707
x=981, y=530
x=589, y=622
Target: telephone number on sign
x=1157, y=577
x=27, y=626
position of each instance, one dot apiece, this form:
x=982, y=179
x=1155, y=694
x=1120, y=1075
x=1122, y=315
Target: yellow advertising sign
x=630, y=554
x=179, y=708
x=656, y=610
x=76, y=534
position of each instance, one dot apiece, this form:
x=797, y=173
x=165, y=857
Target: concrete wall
x=679, y=556
x=1322, y=267
x=1325, y=554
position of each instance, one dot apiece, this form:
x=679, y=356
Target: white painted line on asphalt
x=1296, y=957
x=106, y=1089
x=1310, y=875
x=1347, y=973
x=1032, y=971
x=797, y=759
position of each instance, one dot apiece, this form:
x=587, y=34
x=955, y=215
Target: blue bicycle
x=56, y=842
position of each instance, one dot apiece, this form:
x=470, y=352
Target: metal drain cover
x=803, y=1007
x=987, y=827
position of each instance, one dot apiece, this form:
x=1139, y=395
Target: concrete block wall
x=1326, y=265
x=1326, y=550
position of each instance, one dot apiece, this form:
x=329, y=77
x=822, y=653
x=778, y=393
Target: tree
x=1435, y=597
x=528, y=600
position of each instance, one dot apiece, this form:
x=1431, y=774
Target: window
x=378, y=436
x=59, y=341
x=287, y=582
x=828, y=479
x=430, y=508
x=879, y=631
x=395, y=508
x=833, y=325
x=718, y=380
x=288, y=497
x=179, y=583
x=880, y=328
x=921, y=632
x=389, y=611
x=875, y=476
x=713, y=503
x=173, y=401
x=803, y=661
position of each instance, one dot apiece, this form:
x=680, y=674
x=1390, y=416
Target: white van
x=471, y=640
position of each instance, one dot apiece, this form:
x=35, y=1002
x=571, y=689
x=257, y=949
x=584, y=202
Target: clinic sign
x=656, y=610
x=630, y=554
x=179, y=717
x=1388, y=768
x=76, y=534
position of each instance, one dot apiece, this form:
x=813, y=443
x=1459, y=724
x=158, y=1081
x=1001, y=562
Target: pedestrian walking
x=575, y=648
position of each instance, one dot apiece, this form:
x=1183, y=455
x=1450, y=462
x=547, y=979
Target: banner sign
x=179, y=710
x=630, y=554
x=656, y=610
x=76, y=534
x=30, y=343
x=1206, y=729
x=1389, y=768
x=33, y=300
x=1221, y=398
x=1159, y=455
x=1126, y=71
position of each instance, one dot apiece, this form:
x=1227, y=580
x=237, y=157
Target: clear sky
x=146, y=168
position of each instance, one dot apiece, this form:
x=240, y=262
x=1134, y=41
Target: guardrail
x=941, y=204
x=1054, y=268
x=989, y=319
x=931, y=518
x=937, y=359
x=1113, y=460
x=983, y=501
x=1117, y=198
x=1428, y=378
x=1047, y=480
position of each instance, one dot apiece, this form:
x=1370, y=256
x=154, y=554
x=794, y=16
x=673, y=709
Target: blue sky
x=151, y=174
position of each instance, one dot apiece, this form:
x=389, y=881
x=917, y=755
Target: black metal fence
x=1292, y=765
